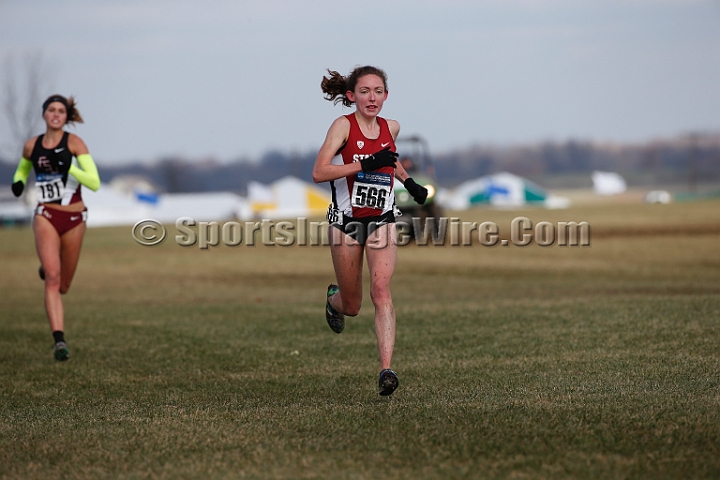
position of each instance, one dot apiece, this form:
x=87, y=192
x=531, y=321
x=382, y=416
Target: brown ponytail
x=73, y=115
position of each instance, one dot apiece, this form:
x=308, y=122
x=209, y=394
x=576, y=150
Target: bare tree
x=27, y=81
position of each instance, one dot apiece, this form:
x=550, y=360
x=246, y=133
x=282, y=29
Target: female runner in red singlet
x=359, y=159
x=59, y=221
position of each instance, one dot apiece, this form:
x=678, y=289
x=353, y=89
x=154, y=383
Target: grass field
x=514, y=362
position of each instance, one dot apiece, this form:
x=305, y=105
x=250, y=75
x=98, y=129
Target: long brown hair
x=336, y=86
x=73, y=115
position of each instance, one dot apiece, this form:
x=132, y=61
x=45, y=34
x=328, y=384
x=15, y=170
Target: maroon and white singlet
x=364, y=194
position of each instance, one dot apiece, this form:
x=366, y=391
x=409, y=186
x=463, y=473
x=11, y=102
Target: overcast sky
x=231, y=79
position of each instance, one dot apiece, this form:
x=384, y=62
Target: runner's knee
x=351, y=310
x=380, y=294
x=351, y=306
x=52, y=278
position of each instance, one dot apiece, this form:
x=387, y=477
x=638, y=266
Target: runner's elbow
x=317, y=178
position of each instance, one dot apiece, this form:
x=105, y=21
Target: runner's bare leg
x=347, y=256
x=381, y=250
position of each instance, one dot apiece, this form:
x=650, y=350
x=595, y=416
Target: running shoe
x=61, y=352
x=388, y=382
x=41, y=272
x=335, y=319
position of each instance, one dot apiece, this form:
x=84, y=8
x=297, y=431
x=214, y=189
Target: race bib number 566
x=371, y=190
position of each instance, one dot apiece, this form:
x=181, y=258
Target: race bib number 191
x=371, y=190
x=50, y=187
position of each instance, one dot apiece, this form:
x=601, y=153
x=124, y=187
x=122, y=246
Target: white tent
x=110, y=207
x=14, y=211
x=287, y=198
x=203, y=207
x=500, y=190
x=608, y=183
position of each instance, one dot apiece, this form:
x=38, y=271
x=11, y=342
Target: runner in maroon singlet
x=59, y=221
x=358, y=158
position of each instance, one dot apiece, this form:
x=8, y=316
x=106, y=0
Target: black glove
x=383, y=158
x=18, y=188
x=418, y=193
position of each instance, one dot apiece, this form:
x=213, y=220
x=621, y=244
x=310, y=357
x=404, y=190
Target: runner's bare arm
x=400, y=173
x=28, y=147
x=337, y=135
x=394, y=127
x=76, y=145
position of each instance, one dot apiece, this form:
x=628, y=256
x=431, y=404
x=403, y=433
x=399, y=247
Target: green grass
x=556, y=362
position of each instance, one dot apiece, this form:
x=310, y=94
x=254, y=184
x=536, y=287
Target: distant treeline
x=690, y=160
x=683, y=161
